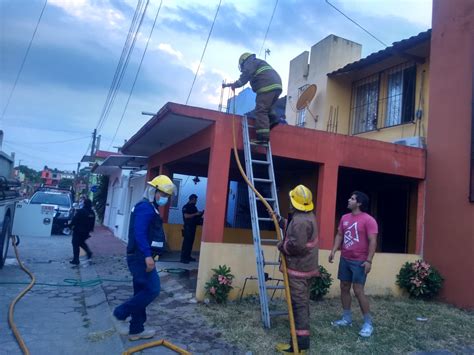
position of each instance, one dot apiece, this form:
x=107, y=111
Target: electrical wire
x=120, y=63
x=123, y=63
x=358, y=25
x=268, y=27
x=136, y=75
x=52, y=142
x=36, y=158
x=122, y=74
x=204, y=51
x=23, y=61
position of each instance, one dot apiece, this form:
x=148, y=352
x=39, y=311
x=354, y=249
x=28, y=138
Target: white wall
x=187, y=187
x=330, y=54
x=124, y=191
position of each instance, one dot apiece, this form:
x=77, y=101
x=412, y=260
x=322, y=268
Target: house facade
x=194, y=141
x=377, y=124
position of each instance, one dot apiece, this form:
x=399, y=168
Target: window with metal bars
x=384, y=99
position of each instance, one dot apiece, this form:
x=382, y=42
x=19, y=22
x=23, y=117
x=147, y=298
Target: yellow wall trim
x=241, y=259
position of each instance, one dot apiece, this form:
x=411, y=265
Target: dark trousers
x=146, y=287
x=188, y=241
x=264, y=111
x=299, y=290
x=79, y=241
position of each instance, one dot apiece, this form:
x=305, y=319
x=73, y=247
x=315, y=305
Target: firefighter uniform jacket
x=300, y=245
x=262, y=77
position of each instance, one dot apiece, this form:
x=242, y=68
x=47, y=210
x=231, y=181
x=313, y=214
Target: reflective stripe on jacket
x=262, y=77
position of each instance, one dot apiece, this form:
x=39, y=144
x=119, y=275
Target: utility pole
x=98, y=143
x=94, y=137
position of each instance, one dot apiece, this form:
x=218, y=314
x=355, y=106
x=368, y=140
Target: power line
x=23, y=61
x=136, y=75
x=120, y=71
x=353, y=21
x=268, y=27
x=36, y=157
x=203, y=52
x=119, y=64
x=52, y=142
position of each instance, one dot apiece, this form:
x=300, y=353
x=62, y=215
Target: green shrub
x=319, y=286
x=220, y=285
x=420, y=279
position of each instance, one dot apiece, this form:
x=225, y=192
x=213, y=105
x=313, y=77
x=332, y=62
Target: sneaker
x=341, y=323
x=184, y=261
x=146, y=334
x=74, y=262
x=89, y=255
x=367, y=330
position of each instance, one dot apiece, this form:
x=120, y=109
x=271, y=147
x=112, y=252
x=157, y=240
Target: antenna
x=305, y=99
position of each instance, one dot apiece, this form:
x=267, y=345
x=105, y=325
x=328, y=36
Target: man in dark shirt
x=191, y=218
x=82, y=224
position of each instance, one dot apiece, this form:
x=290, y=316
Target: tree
x=100, y=197
x=65, y=183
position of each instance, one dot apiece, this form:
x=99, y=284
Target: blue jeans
x=146, y=287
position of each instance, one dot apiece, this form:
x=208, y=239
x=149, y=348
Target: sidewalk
x=173, y=314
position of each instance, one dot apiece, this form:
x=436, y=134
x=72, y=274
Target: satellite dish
x=306, y=97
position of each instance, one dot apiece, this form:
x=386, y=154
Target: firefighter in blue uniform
x=145, y=230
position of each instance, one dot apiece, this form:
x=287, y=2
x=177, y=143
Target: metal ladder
x=256, y=219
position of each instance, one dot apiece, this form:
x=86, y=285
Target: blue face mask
x=162, y=201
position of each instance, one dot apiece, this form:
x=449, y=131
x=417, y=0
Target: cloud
x=88, y=11
x=167, y=48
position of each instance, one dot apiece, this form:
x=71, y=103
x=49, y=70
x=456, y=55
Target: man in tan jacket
x=300, y=248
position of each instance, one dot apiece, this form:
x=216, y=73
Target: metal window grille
x=398, y=105
x=364, y=105
x=384, y=99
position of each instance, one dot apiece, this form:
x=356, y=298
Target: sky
x=66, y=77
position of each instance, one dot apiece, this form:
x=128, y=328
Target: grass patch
x=396, y=327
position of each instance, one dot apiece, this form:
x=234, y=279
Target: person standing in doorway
x=300, y=247
x=146, y=227
x=82, y=224
x=191, y=218
x=357, y=239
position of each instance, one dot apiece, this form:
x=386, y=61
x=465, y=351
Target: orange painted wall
x=449, y=218
x=330, y=151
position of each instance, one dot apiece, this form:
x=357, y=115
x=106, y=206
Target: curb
x=102, y=328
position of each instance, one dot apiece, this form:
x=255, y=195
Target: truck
x=9, y=196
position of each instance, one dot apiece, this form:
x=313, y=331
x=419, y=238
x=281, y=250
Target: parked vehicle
x=63, y=204
x=9, y=195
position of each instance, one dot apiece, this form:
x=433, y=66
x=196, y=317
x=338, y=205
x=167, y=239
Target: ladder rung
x=266, y=198
x=264, y=162
x=259, y=144
x=262, y=180
x=272, y=263
x=269, y=241
x=265, y=219
x=278, y=313
x=274, y=287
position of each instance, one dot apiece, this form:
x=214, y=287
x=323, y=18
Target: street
x=57, y=318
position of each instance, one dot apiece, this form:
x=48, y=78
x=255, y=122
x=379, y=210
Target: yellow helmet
x=164, y=184
x=242, y=58
x=302, y=198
